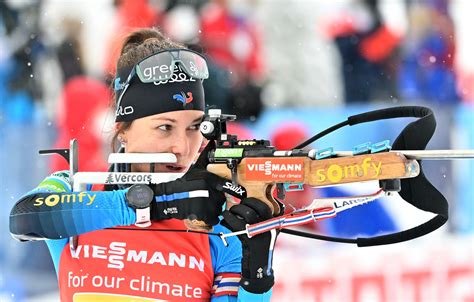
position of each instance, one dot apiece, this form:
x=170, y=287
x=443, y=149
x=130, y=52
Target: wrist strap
x=143, y=217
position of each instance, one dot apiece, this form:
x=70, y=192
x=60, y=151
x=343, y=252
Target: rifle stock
x=259, y=175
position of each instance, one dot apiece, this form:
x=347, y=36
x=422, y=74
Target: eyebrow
x=199, y=119
x=175, y=121
x=164, y=119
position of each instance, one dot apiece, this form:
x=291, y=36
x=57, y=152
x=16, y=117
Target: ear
x=121, y=134
x=117, y=125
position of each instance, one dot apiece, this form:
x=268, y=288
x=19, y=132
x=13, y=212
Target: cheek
x=145, y=142
x=196, y=142
x=196, y=146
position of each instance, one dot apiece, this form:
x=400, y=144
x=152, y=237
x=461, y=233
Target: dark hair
x=138, y=45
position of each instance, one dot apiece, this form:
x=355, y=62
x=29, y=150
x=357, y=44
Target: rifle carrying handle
x=263, y=191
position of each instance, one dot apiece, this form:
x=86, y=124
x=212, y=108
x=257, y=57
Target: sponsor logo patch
x=128, y=178
x=54, y=199
x=336, y=173
x=118, y=255
x=183, y=98
x=276, y=169
x=239, y=190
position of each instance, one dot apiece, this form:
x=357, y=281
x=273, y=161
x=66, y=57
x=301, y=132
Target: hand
x=198, y=195
x=257, y=252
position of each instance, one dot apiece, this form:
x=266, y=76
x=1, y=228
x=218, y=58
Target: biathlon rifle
x=267, y=173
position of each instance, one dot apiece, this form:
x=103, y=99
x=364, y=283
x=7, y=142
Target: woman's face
x=174, y=132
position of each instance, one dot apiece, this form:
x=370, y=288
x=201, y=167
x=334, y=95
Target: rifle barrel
x=427, y=154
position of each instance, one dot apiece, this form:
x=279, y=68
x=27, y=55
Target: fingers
x=246, y=213
x=232, y=222
x=259, y=207
x=251, y=210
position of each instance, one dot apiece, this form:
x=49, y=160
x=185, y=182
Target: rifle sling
x=417, y=191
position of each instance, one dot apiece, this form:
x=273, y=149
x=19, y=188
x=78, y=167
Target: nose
x=180, y=144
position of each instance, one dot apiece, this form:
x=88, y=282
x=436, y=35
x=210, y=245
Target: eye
x=195, y=127
x=165, y=127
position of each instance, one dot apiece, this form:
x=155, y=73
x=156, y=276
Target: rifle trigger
x=280, y=191
x=232, y=165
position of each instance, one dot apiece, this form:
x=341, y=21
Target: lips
x=175, y=168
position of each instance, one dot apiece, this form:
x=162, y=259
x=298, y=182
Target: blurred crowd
x=261, y=53
x=57, y=56
x=56, y=60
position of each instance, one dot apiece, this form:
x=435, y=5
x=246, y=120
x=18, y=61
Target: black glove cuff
x=199, y=209
x=257, y=286
x=166, y=210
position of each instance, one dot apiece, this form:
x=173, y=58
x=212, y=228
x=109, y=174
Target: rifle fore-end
x=259, y=175
x=359, y=168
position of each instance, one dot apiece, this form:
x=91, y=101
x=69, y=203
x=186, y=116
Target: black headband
x=181, y=92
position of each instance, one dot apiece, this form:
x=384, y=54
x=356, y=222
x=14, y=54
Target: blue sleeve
x=250, y=297
x=244, y=296
x=55, y=249
x=225, y=259
x=58, y=215
x=224, y=299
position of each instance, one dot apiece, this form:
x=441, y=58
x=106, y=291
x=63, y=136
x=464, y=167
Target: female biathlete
x=125, y=250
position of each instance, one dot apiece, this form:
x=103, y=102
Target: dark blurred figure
x=182, y=23
x=21, y=23
x=224, y=32
x=368, y=55
x=20, y=51
x=233, y=43
x=426, y=70
x=69, y=51
x=194, y=4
